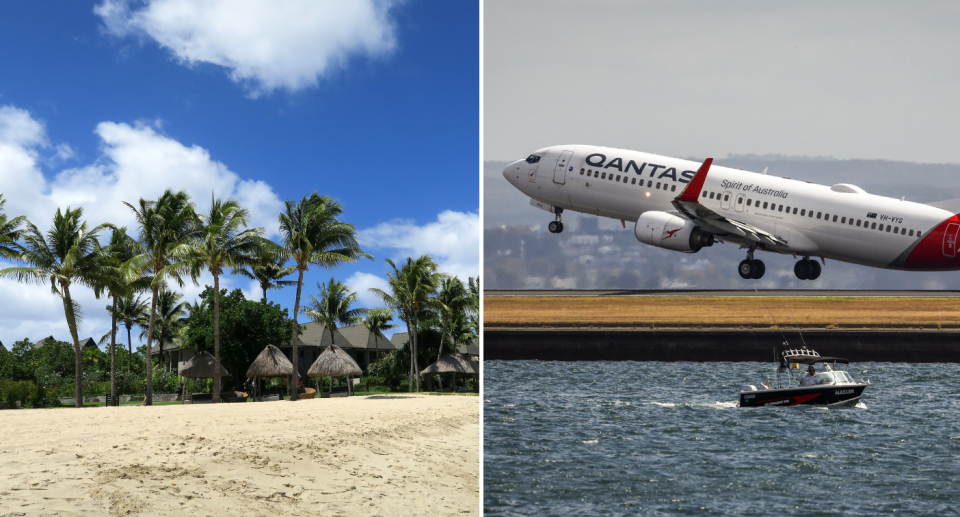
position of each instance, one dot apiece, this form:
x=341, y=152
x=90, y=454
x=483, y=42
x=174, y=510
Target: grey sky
x=867, y=80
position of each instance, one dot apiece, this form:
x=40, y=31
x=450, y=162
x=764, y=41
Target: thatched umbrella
x=453, y=364
x=200, y=366
x=334, y=362
x=270, y=363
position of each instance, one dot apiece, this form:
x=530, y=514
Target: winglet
x=692, y=191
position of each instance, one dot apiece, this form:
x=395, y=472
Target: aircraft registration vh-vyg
x=686, y=206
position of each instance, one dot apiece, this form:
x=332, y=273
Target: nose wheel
x=556, y=226
x=807, y=269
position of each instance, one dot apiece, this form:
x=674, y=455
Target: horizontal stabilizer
x=950, y=205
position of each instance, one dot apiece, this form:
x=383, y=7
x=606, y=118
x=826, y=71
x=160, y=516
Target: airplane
x=686, y=206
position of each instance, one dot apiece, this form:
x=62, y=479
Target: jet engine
x=666, y=230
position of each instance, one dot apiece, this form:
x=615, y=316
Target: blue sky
x=376, y=106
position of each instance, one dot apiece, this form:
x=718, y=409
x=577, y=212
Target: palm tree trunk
x=216, y=338
x=113, y=351
x=293, y=338
x=443, y=338
x=148, y=391
x=129, y=348
x=72, y=324
x=416, y=366
x=264, y=293
x=410, y=348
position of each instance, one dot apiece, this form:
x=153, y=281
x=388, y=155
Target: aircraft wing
x=688, y=203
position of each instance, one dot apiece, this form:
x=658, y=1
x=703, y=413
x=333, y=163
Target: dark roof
x=85, y=343
x=166, y=348
x=399, y=339
x=40, y=343
x=354, y=336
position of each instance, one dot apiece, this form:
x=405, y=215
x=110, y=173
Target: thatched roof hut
x=334, y=362
x=462, y=364
x=201, y=365
x=270, y=363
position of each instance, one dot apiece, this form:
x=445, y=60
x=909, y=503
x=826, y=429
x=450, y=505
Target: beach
x=376, y=455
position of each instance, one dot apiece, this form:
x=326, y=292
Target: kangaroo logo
x=671, y=233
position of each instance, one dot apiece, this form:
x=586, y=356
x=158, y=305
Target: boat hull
x=833, y=395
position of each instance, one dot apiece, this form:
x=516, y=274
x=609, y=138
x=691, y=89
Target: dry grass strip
x=707, y=311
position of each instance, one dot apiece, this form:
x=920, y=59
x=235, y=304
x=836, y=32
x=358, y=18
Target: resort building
x=355, y=340
x=472, y=348
x=84, y=343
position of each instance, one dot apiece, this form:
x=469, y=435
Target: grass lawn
x=707, y=311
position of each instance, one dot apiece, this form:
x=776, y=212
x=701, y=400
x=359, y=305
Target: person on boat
x=810, y=378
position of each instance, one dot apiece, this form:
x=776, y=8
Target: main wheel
x=746, y=269
x=559, y=226
x=758, y=269
x=802, y=269
x=554, y=227
x=815, y=273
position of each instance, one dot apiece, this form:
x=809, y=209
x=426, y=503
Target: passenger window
x=588, y=173
x=749, y=201
x=888, y=228
x=581, y=172
x=896, y=229
x=726, y=197
x=764, y=206
x=794, y=210
x=739, y=200
x=780, y=209
x=872, y=227
x=843, y=221
x=818, y=217
x=802, y=212
x=658, y=187
x=826, y=217
x=851, y=221
x=650, y=184
x=618, y=177
x=704, y=195
x=625, y=179
x=911, y=233
x=811, y=213
x=773, y=206
x=834, y=218
x=633, y=181
x=903, y=231
x=673, y=188
x=918, y=233
x=603, y=177
x=858, y=222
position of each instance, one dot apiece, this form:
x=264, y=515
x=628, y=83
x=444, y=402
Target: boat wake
x=715, y=405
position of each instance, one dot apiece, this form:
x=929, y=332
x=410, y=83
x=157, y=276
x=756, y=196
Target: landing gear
x=807, y=269
x=751, y=268
x=556, y=226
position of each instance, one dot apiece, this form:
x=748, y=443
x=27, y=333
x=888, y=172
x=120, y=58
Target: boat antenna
x=774, y=321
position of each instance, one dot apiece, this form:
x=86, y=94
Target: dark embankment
x=917, y=346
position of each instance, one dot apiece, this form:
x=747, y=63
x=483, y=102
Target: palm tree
x=412, y=287
x=377, y=321
x=131, y=311
x=166, y=226
x=312, y=234
x=167, y=320
x=120, y=249
x=221, y=243
x=268, y=269
x=70, y=253
x=473, y=285
x=9, y=232
x=452, y=301
x=333, y=307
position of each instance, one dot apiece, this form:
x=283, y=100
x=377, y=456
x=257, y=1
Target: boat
x=829, y=387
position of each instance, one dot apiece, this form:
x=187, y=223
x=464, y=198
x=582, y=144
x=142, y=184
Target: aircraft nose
x=512, y=172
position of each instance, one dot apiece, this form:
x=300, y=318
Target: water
x=627, y=438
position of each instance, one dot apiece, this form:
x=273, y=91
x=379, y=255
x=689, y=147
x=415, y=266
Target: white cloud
x=136, y=161
x=361, y=283
x=264, y=45
x=453, y=240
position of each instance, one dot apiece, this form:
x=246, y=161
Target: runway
x=721, y=292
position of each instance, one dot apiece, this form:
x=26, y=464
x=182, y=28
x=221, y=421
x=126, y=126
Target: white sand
x=387, y=455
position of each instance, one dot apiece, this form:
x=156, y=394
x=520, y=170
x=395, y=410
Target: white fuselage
x=840, y=222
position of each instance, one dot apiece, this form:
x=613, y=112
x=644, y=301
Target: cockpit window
x=533, y=158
